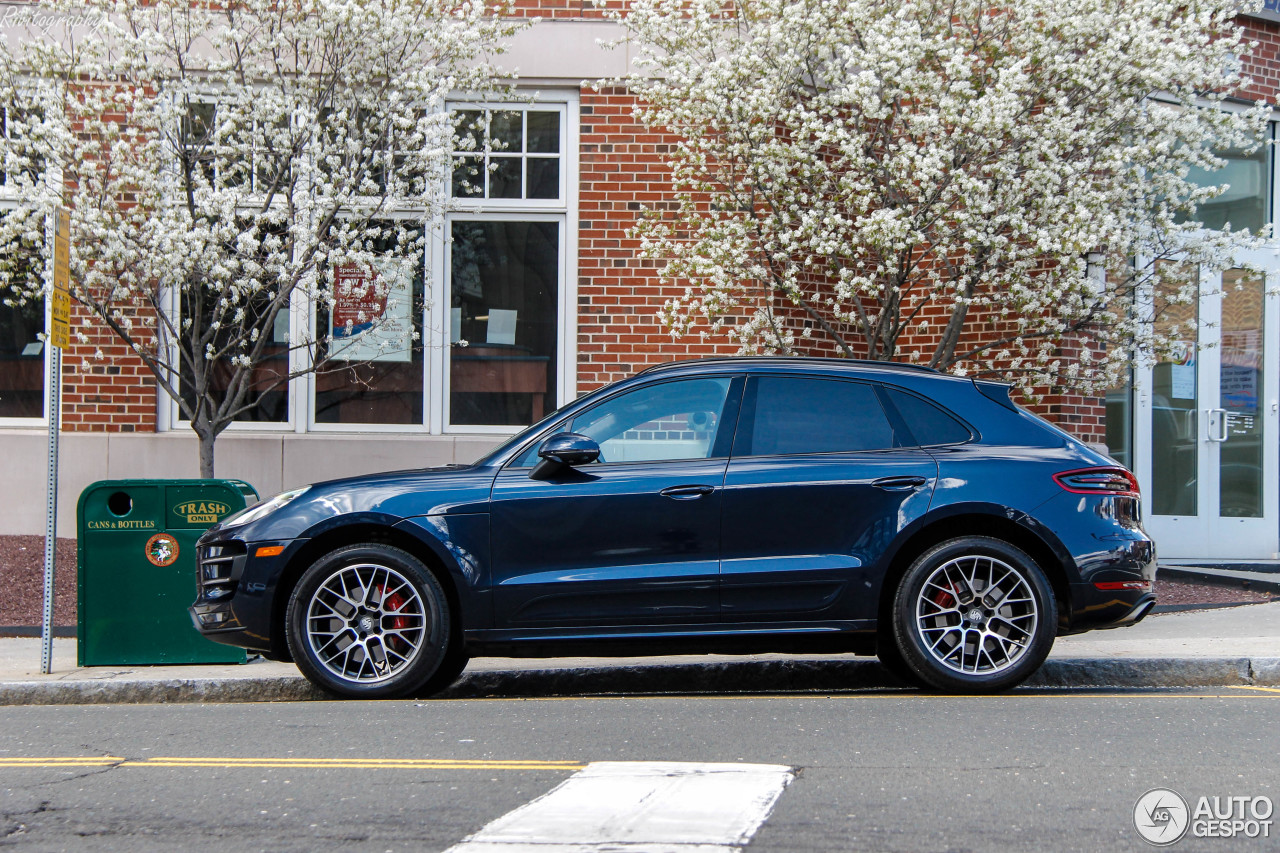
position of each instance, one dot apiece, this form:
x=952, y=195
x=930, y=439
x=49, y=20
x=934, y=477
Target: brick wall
x=111, y=393
x=1263, y=65
x=619, y=295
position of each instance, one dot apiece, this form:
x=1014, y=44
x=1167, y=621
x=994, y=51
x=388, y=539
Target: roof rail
x=792, y=359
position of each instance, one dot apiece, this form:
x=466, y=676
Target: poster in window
x=372, y=314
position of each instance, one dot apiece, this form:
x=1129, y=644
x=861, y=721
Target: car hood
x=384, y=498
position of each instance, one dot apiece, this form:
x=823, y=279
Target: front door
x=633, y=539
x=1209, y=465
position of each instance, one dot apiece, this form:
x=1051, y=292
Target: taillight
x=1099, y=481
x=1145, y=586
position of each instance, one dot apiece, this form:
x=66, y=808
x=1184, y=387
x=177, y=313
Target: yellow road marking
x=1251, y=687
x=358, y=763
x=307, y=763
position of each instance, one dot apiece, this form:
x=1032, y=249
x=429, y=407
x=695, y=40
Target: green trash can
x=136, y=557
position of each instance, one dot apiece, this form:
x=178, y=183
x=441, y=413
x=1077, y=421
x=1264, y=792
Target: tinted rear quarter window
x=929, y=424
x=803, y=415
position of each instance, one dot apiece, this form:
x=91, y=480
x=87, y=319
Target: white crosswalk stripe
x=640, y=807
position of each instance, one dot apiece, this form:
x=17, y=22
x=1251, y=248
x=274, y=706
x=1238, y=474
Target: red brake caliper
x=394, y=602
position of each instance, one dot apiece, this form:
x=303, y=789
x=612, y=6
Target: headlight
x=261, y=509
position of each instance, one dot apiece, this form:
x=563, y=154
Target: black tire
x=370, y=622
x=892, y=660
x=455, y=661
x=974, y=615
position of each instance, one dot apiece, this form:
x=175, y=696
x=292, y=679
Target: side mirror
x=564, y=450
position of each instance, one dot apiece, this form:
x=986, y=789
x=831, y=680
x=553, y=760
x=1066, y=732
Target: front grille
x=218, y=567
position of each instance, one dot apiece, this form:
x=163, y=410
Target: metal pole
x=51, y=508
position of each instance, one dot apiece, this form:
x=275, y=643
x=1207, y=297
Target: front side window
x=667, y=421
x=794, y=415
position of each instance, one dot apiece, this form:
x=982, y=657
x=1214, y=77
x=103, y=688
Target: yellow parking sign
x=60, y=309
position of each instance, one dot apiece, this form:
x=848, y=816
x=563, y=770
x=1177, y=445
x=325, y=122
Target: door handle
x=899, y=484
x=686, y=493
x=1217, y=418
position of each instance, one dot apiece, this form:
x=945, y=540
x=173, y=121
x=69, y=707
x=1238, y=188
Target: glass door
x=1209, y=411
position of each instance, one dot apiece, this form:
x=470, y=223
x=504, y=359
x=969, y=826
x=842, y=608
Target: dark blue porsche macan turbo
x=729, y=505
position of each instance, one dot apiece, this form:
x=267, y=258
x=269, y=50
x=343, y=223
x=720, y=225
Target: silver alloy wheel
x=366, y=623
x=976, y=615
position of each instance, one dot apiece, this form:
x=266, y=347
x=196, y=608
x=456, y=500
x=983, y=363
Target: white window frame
x=168, y=413
x=563, y=210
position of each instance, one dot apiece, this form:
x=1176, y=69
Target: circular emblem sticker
x=162, y=550
x=1161, y=816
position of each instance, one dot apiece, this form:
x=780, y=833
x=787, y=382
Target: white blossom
x=220, y=160
x=926, y=181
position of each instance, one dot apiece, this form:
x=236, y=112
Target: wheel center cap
x=975, y=616
x=366, y=623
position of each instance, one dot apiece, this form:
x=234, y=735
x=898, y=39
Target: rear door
x=820, y=481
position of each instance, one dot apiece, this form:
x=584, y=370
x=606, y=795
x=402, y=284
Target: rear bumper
x=1094, y=608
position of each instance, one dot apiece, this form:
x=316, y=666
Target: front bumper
x=234, y=586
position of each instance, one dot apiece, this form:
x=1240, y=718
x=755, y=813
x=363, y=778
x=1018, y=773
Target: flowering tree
x=972, y=184
x=228, y=162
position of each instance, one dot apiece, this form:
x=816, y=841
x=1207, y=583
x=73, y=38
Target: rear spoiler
x=997, y=391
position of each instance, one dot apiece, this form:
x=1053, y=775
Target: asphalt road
x=872, y=771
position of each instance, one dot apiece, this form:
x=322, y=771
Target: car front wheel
x=370, y=621
x=974, y=614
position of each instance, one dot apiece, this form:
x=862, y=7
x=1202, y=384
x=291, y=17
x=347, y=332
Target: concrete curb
x=763, y=677
x=1255, y=581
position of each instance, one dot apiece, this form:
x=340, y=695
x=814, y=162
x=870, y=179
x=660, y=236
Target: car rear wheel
x=974, y=614
x=370, y=621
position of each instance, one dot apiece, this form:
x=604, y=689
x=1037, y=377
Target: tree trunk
x=207, y=438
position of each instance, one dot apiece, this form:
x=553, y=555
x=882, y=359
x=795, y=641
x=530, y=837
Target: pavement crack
x=13, y=826
x=87, y=772
x=81, y=774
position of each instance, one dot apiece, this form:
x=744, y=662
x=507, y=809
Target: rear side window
x=928, y=423
x=801, y=415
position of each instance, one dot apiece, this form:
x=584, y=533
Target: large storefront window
x=1175, y=413
x=506, y=267
x=1119, y=422
x=1246, y=202
x=22, y=370
x=376, y=374
x=268, y=396
x=22, y=320
x=471, y=336
x=504, y=284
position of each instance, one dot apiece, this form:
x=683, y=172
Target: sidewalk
x=1237, y=646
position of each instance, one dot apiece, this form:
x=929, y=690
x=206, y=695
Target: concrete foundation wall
x=269, y=463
